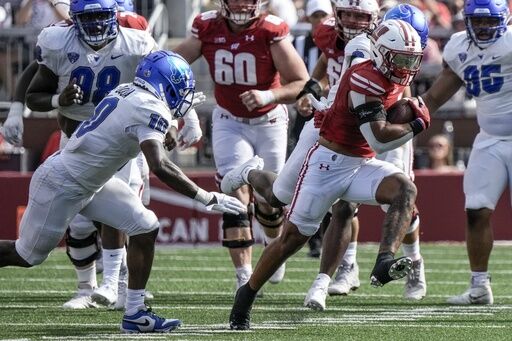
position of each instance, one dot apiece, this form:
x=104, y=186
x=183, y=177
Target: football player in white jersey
x=481, y=59
x=78, y=66
x=134, y=117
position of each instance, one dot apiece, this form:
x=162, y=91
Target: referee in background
x=316, y=12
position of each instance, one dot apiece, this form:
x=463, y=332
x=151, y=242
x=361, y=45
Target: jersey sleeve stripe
x=280, y=38
x=364, y=86
x=195, y=35
x=195, y=30
x=369, y=82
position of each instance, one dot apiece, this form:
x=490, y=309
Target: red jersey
x=340, y=124
x=240, y=62
x=132, y=20
x=327, y=40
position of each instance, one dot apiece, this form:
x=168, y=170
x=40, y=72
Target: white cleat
x=237, y=177
x=105, y=295
x=121, y=295
x=315, y=298
x=474, y=295
x=415, y=284
x=81, y=300
x=278, y=276
x=347, y=279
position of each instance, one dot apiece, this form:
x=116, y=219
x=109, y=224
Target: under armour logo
x=224, y=116
x=249, y=37
x=322, y=166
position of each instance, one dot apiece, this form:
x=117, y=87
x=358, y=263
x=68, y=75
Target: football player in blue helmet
x=413, y=16
x=95, y=20
x=125, y=6
x=169, y=77
x=486, y=21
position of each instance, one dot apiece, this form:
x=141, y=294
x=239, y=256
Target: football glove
x=422, y=114
x=12, y=129
x=225, y=204
x=191, y=131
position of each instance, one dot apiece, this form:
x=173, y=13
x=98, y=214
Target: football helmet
x=242, y=12
x=94, y=20
x=396, y=50
x=413, y=16
x=354, y=16
x=125, y=6
x=169, y=77
x=486, y=20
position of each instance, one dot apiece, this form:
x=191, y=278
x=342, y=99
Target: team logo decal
x=463, y=56
x=73, y=57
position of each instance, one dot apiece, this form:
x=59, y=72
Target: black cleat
x=390, y=270
x=240, y=316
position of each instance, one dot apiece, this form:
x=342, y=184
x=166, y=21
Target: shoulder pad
x=55, y=37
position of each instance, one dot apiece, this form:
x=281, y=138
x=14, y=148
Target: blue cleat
x=145, y=321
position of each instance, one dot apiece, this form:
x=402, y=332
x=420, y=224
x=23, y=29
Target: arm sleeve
x=380, y=147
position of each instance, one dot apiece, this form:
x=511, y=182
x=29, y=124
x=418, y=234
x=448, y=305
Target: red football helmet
x=241, y=12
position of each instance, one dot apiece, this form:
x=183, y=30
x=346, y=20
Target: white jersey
x=97, y=72
x=487, y=74
x=101, y=145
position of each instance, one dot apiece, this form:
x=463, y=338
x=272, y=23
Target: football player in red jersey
x=342, y=163
x=248, y=54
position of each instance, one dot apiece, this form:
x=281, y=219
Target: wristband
x=203, y=197
x=191, y=117
x=55, y=101
x=267, y=97
x=16, y=109
x=417, y=126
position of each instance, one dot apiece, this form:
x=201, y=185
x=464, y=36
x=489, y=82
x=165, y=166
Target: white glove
x=199, y=98
x=318, y=105
x=226, y=204
x=12, y=129
x=191, y=132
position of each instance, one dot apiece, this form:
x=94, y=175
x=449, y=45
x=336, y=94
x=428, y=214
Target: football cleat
x=481, y=294
x=105, y=295
x=415, y=284
x=81, y=300
x=145, y=321
x=346, y=279
x=237, y=177
x=278, y=276
x=240, y=316
x=315, y=298
x=390, y=270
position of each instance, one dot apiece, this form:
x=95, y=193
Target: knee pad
x=272, y=220
x=231, y=221
x=415, y=223
x=84, y=251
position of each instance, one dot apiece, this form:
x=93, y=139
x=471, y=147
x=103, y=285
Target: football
x=400, y=112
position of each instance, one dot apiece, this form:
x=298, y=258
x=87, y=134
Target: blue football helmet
x=413, y=16
x=94, y=20
x=496, y=15
x=169, y=77
x=125, y=6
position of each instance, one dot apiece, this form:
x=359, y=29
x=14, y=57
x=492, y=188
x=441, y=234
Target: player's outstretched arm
x=190, y=49
x=174, y=177
x=444, y=87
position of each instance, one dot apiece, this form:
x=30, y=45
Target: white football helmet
x=354, y=16
x=396, y=50
x=242, y=12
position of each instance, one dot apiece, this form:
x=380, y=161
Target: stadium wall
x=440, y=200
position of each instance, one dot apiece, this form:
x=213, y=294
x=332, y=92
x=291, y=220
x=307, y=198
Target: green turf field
x=197, y=284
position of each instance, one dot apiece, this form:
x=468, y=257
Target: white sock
x=412, y=250
x=479, y=279
x=134, y=301
x=112, y=260
x=322, y=280
x=350, y=255
x=244, y=271
x=87, y=277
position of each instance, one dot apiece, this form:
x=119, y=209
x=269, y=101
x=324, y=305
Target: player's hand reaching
x=191, y=132
x=304, y=106
x=170, y=140
x=225, y=204
x=199, y=98
x=12, y=129
x=253, y=99
x=72, y=94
